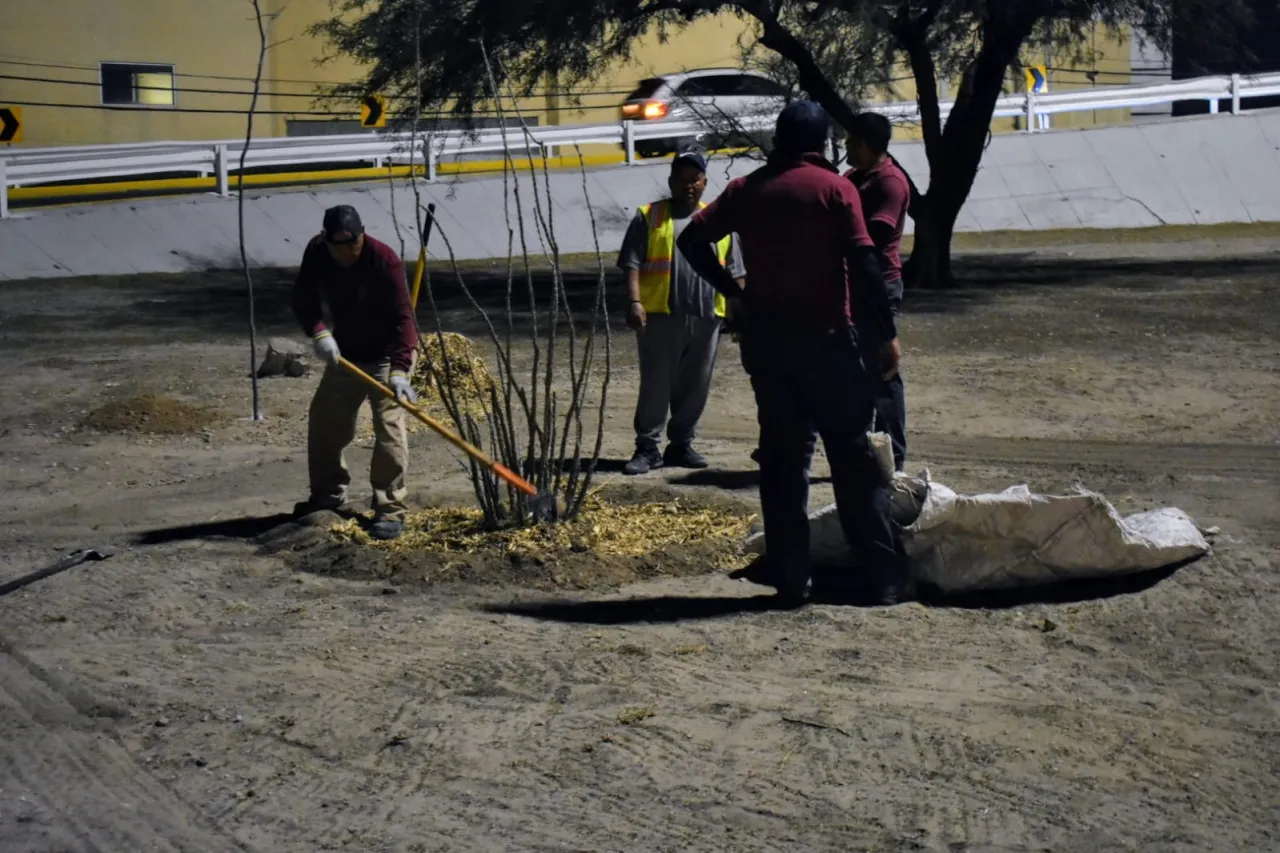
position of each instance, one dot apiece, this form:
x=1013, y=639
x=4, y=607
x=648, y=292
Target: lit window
x=131, y=83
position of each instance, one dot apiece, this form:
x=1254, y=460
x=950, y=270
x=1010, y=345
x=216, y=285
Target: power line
x=96, y=85
x=397, y=117
x=167, y=109
x=35, y=64
x=95, y=68
x=317, y=97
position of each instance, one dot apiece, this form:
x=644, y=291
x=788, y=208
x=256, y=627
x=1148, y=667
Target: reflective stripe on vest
x=655, y=272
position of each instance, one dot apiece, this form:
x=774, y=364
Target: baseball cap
x=689, y=158
x=342, y=224
x=802, y=128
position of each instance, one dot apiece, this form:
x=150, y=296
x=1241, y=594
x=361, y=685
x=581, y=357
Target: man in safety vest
x=677, y=316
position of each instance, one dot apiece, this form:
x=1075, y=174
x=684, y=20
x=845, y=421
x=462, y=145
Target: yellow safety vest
x=655, y=272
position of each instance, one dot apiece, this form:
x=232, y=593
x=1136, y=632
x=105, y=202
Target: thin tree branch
x=244, y=254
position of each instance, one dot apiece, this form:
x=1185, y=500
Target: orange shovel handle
x=447, y=434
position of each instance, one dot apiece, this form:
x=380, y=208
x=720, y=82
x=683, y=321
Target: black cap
x=342, y=224
x=689, y=158
x=803, y=127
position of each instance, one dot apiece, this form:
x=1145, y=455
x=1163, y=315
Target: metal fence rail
x=221, y=158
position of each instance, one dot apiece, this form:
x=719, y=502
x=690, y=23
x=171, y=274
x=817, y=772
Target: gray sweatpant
x=677, y=358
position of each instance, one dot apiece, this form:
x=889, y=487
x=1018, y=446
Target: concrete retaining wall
x=1202, y=170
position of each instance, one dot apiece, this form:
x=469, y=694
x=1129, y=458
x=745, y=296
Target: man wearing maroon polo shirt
x=362, y=283
x=885, y=192
x=814, y=360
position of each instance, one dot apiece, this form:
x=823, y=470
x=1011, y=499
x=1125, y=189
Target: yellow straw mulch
x=603, y=527
x=472, y=382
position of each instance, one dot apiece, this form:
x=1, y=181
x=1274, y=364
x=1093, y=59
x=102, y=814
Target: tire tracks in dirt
x=73, y=788
x=1249, y=461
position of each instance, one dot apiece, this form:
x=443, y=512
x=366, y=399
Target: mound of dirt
x=150, y=413
x=616, y=540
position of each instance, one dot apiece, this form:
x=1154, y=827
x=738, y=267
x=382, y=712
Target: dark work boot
x=386, y=529
x=893, y=586
x=643, y=462
x=684, y=456
x=314, y=505
x=791, y=596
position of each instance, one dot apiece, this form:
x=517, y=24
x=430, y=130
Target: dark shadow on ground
x=602, y=466
x=1066, y=592
x=982, y=278
x=632, y=611
x=731, y=481
x=674, y=608
x=234, y=528
x=213, y=303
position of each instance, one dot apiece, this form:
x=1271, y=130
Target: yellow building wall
x=64, y=40
x=213, y=47
x=301, y=66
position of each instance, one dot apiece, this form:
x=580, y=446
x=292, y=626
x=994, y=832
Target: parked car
x=715, y=94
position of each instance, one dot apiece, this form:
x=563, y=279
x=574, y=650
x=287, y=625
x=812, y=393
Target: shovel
x=422, y=256
x=70, y=561
x=542, y=505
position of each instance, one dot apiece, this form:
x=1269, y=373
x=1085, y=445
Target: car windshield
x=646, y=89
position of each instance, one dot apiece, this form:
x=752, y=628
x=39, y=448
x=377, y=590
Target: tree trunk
x=929, y=266
x=955, y=155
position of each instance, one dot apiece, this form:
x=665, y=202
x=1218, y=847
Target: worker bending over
x=815, y=363
x=677, y=317
x=362, y=284
x=885, y=192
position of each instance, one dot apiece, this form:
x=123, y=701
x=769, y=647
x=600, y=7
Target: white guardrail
x=220, y=158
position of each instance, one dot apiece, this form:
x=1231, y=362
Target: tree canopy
x=837, y=53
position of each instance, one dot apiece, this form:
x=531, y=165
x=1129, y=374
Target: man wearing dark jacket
x=814, y=352
x=361, y=282
x=885, y=192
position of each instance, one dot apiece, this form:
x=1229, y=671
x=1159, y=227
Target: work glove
x=326, y=348
x=399, y=383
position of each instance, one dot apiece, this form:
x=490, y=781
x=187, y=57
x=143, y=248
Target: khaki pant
x=335, y=409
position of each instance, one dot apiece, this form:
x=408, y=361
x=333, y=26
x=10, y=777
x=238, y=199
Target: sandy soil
x=194, y=693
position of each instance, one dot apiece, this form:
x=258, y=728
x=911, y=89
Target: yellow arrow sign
x=373, y=111
x=1037, y=78
x=10, y=124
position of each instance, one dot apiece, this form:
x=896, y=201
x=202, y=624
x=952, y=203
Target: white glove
x=326, y=348
x=399, y=383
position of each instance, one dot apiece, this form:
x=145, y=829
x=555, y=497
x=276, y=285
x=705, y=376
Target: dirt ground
x=199, y=693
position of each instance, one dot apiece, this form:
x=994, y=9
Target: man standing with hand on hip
x=677, y=317
x=815, y=352
x=885, y=192
x=361, y=282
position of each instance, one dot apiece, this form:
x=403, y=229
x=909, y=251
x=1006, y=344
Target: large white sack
x=1013, y=539
x=1017, y=539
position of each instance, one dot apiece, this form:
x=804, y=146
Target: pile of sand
x=150, y=413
